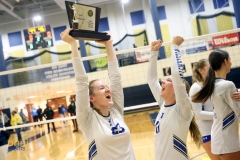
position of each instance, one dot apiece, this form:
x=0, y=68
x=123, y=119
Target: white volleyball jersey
x=173, y=121
x=203, y=112
x=108, y=137
x=225, y=137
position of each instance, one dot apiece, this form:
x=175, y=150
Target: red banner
x=225, y=40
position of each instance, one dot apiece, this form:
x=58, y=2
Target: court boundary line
x=67, y=158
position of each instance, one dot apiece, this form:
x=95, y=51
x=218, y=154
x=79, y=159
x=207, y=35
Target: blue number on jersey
x=117, y=129
x=157, y=124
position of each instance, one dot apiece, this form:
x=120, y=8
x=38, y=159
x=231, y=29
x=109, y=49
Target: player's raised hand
x=156, y=45
x=177, y=40
x=66, y=37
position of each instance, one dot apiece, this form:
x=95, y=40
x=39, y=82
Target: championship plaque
x=84, y=20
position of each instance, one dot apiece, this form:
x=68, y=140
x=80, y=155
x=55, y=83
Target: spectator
x=61, y=111
x=4, y=135
x=72, y=111
x=17, y=120
x=25, y=112
x=24, y=120
x=40, y=114
x=34, y=115
x=49, y=114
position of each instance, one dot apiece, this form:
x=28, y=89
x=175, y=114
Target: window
x=103, y=25
x=196, y=6
x=57, y=32
x=220, y=3
x=161, y=13
x=137, y=17
x=15, y=38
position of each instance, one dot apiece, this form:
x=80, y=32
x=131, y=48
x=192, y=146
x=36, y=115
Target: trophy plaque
x=84, y=20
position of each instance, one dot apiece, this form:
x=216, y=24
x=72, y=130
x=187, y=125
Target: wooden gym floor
x=66, y=145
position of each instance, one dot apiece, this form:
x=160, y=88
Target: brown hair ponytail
x=216, y=58
x=195, y=133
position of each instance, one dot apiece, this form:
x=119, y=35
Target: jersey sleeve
x=197, y=107
x=152, y=77
x=116, y=85
x=182, y=100
x=229, y=89
x=83, y=110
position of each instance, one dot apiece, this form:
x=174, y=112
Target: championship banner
x=225, y=40
x=194, y=47
x=57, y=73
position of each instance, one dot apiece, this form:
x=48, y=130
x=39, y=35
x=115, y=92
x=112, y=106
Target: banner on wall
x=142, y=56
x=225, y=40
x=194, y=47
x=56, y=73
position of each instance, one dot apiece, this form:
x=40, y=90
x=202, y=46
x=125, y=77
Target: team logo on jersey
x=92, y=150
x=117, y=129
x=180, y=146
x=228, y=120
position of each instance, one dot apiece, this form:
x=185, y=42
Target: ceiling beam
x=9, y=10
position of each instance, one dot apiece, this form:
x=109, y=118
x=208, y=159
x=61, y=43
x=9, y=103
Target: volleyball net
x=54, y=83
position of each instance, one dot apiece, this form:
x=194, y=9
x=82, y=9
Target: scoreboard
x=38, y=37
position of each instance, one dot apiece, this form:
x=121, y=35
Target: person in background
x=40, y=114
x=25, y=112
x=72, y=111
x=61, y=112
x=24, y=120
x=34, y=115
x=48, y=113
x=4, y=135
x=17, y=120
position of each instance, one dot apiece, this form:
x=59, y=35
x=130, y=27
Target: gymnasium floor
x=66, y=145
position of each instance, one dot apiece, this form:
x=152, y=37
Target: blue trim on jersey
x=170, y=105
x=92, y=151
x=107, y=115
x=180, y=146
x=206, y=139
x=228, y=120
x=203, y=108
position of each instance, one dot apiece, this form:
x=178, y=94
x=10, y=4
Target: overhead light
x=37, y=18
x=31, y=97
x=125, y=1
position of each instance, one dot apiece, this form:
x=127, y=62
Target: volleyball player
x=224, y=133
x=99, y=109
x=175, y=116
x=203, y=111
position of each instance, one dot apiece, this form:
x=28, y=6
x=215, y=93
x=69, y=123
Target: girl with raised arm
x=99, y=109
x=175, y=116
x=224, y=133
x=203, y=111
